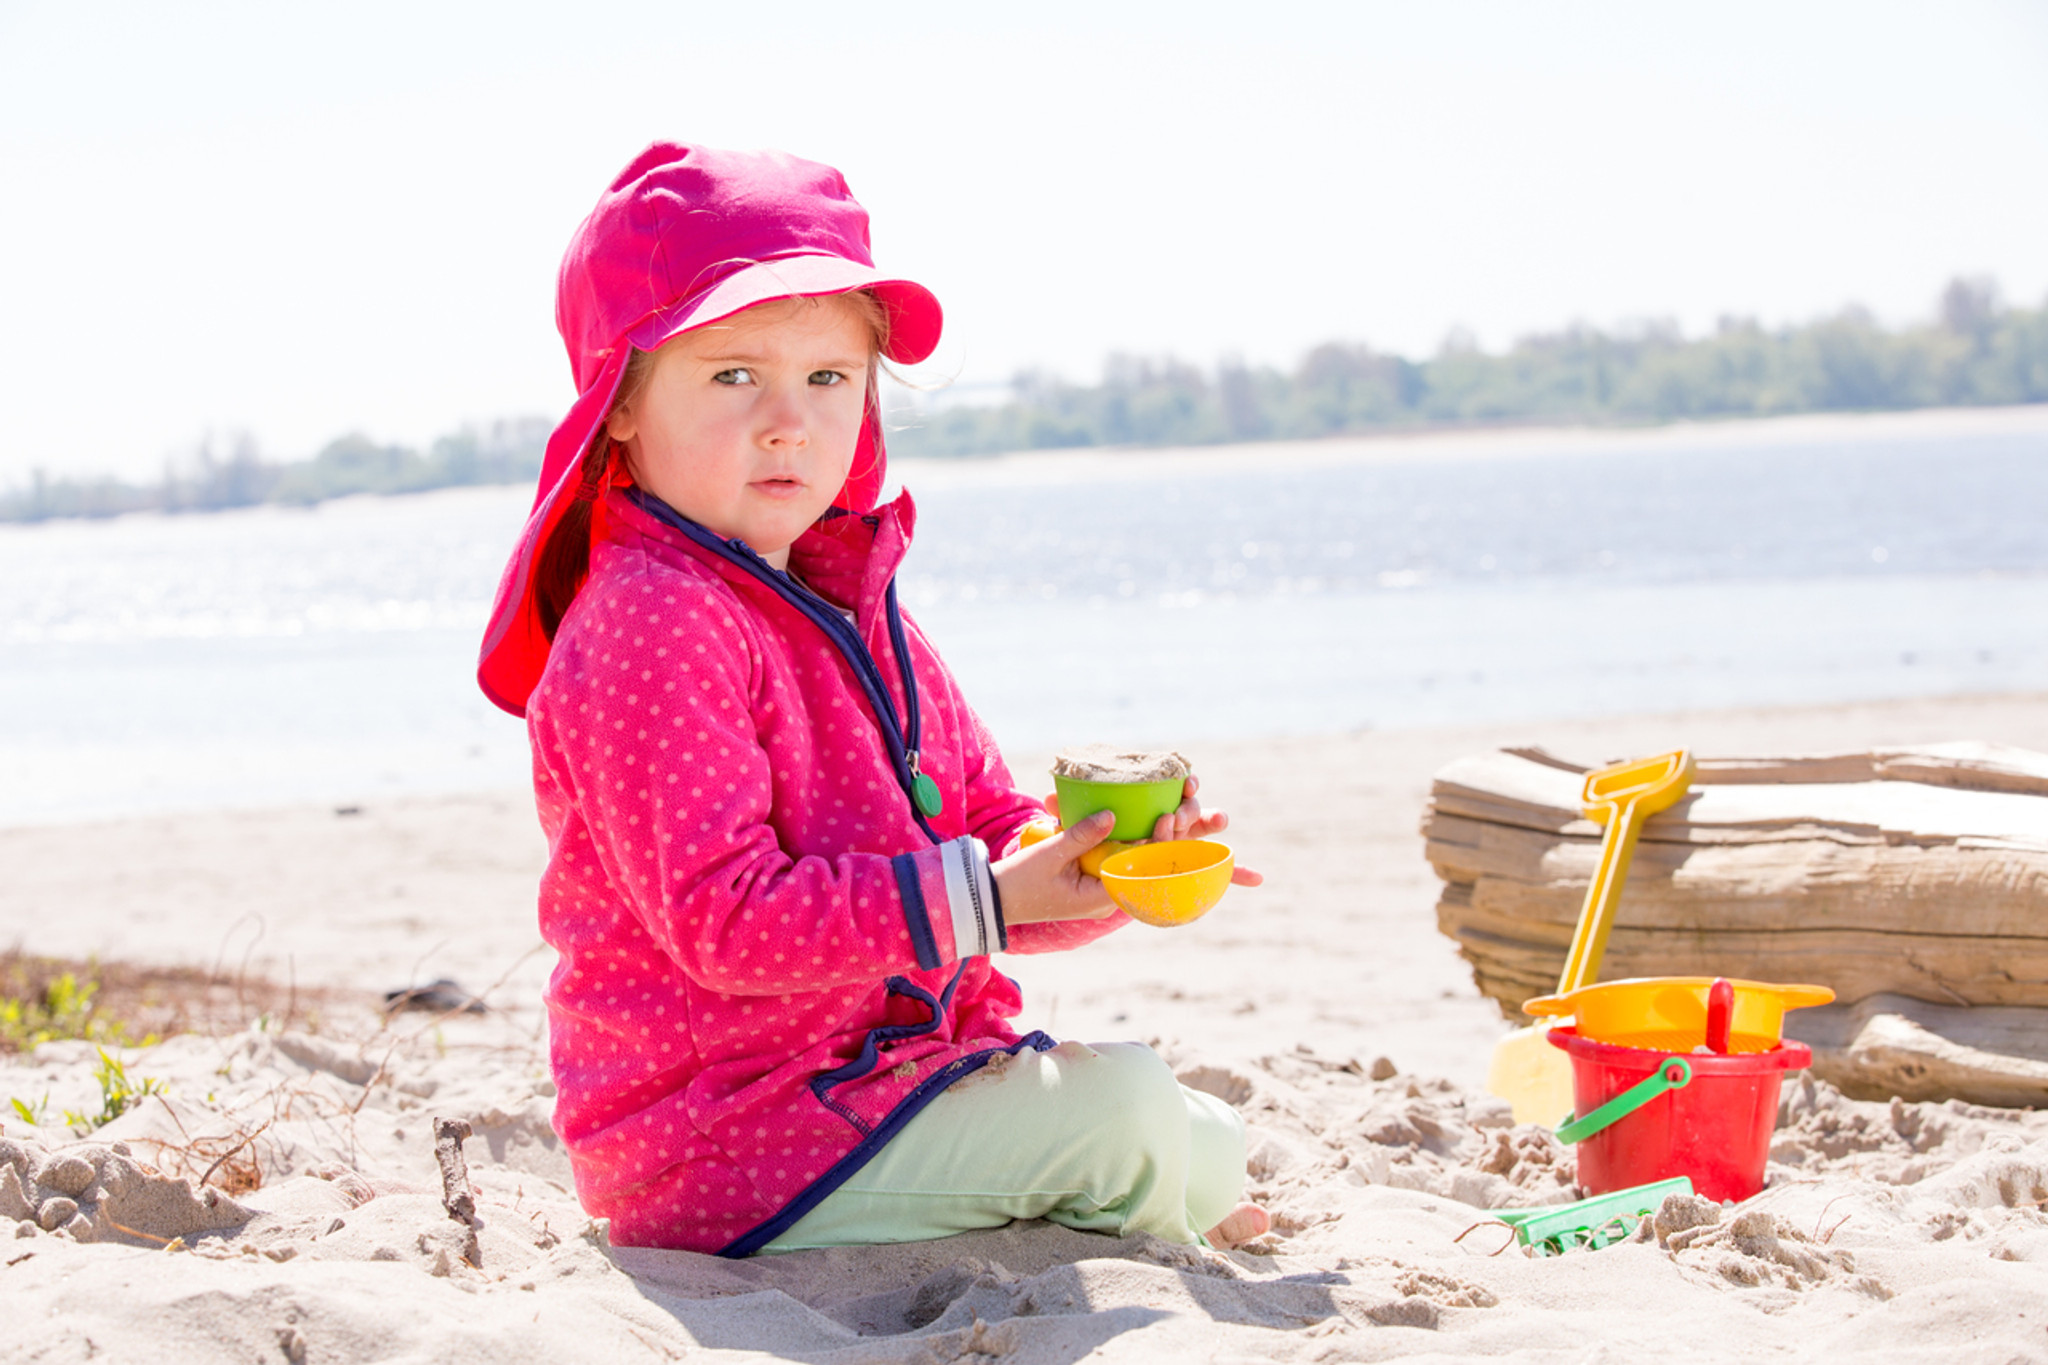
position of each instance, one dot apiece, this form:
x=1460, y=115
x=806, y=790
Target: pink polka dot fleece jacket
x=766, y=964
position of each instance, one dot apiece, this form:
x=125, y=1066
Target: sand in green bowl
x=1139, y=785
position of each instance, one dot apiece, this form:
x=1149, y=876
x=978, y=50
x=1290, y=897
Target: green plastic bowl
x=1138, y=805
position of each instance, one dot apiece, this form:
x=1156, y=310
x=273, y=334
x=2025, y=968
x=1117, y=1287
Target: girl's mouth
x=779, y=486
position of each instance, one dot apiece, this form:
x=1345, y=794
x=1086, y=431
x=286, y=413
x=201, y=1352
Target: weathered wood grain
x=1889, y=1045
x=1916, y=878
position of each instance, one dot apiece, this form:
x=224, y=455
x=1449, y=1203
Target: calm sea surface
x=156, y=663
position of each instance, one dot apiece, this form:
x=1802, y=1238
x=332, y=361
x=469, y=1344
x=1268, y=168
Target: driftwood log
x=1889, y=1045
x=1901, y=876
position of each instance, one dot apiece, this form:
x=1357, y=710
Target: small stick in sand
x=138, y=1232
x=455, y=1195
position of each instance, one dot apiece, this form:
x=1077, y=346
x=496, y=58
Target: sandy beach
x=1325, y=1006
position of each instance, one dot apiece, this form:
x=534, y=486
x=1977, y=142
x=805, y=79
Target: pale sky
x=303, y=219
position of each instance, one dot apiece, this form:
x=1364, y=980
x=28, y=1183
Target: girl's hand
x=1045, y=882
x=1187, y=822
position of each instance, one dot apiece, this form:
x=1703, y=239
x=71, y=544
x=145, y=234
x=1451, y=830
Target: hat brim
x=915, y=319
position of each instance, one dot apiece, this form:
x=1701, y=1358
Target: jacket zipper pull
x=924, y=793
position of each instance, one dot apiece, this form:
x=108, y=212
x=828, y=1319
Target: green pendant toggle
x=924, y=794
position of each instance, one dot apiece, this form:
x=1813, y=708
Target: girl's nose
x=782, y=422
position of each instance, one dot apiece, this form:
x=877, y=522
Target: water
x=248, y=658
x=282, y=655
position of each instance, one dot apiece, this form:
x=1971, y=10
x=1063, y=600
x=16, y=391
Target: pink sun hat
x=683, y=237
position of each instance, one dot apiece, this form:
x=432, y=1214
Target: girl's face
x=748, y=426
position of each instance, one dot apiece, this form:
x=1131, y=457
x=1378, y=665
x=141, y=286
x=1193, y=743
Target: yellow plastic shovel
x=1527, y=1071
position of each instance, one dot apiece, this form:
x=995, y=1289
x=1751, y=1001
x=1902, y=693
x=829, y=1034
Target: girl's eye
x=827, y=378
x=737, y=375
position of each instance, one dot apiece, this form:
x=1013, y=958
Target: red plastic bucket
x=1715, y=1128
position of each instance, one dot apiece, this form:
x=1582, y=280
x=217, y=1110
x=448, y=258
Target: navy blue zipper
x=901, y=740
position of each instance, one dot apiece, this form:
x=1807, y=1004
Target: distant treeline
x=1977, y=351
x=211, y=480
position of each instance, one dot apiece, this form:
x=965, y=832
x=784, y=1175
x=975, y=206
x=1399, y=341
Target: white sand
x=1888, y=1231
x=1107, y=763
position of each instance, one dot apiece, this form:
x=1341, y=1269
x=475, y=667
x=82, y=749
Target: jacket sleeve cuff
x=951, y=885
x=971, y=896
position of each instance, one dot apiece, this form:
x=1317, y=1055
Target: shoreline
x=1392, y=446
x=1816, y=429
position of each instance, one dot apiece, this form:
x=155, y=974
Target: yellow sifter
x=1527, y=1072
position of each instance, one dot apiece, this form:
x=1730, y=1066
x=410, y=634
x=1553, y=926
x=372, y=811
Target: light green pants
x=1100, y=1138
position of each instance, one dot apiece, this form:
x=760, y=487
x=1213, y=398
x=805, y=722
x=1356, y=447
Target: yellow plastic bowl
x=1170, y=883
x=1670, y=1012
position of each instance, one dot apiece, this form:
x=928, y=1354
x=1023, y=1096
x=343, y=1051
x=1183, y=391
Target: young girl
x=775, y=1023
